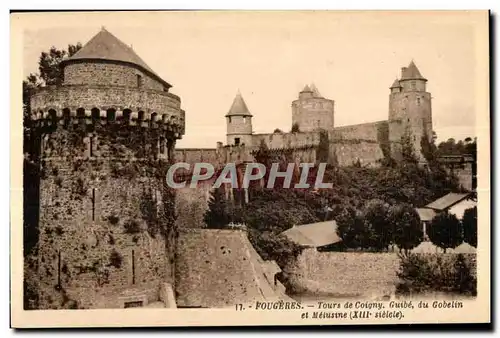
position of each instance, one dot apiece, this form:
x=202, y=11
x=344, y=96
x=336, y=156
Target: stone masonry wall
x=106, y=73
x=217, y=268
x=351, y=274
x=348, y=153
x=90, y=96
x=313, y=113
x=98, y=246
x=191, y=205
x=286, y=140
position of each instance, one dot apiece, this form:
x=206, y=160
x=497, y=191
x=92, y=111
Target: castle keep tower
x=312, y=111
x=239, y=123
x=107, y=134
x=410, y=110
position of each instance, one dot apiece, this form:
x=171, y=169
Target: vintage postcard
x=247, y=168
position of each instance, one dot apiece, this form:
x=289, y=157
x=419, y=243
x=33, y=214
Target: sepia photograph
x=228, y=168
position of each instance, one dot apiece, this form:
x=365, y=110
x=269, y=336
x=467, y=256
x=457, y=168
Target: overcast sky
x=353, y=58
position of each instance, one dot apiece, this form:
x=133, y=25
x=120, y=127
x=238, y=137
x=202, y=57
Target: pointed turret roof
x=106, y=46
x=395, y=84
x=239, y=107
x=306, y=89
x=315, y=91
x=411, y=73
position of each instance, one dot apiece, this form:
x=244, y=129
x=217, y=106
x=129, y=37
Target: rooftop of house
x=426, y=214
x=446, y=201
x=314, y=234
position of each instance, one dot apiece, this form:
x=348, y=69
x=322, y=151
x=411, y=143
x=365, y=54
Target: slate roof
x=314, y=235
x=446, y=201
x=395, y=84
x=106, y=46
x=315, y=91
x=426, y=214
x=306, y=89
x=411, y=73
x=239, y=107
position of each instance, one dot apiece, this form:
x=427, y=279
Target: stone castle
x=313, y=115
x=106, y=221
x=107, y=135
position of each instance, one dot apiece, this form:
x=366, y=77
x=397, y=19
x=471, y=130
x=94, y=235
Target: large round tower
x=106, y=217
x=312, y=112
x=239, y=123
x=410, y=110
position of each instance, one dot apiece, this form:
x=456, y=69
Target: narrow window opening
x=139, y=81
x=91, y=138
x=93, y=204
x=244, y=119
x=133, y=304
x=133, y=267
x=237, y=141
x=418, y=101
x=59, y=268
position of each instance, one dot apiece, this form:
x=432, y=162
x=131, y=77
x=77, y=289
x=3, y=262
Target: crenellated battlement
x=104, y=105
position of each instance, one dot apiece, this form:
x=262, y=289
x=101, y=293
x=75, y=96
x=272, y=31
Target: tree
x=323, y=149
x=50, y=73
x=375, y=214
x=217, y=215
x=429, y=150
x=405, y=225
x=407, y=148
x=352, y=228
x=295, y=128
x=271, y=246
x=469, y=222
x=445, y=231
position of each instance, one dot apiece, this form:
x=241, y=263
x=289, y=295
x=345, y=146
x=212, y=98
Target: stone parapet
x=145, y=107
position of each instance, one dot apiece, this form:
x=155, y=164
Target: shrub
x=132, y=227
x=113, y=219
x=464, y=282
x=115, y=259
x=420, y=273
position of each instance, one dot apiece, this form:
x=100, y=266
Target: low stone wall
x=351, y=274
x=346, y=273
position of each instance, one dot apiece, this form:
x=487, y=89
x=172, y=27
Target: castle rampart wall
x=364, y=131
x=108, y=73
x=195, y=155
x=286, y=140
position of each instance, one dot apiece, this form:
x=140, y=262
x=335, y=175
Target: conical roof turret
x=239, y=107
x=315, y=91
x=106, y=46
x=411, y=73
x=306, y=89
x=395, y=84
